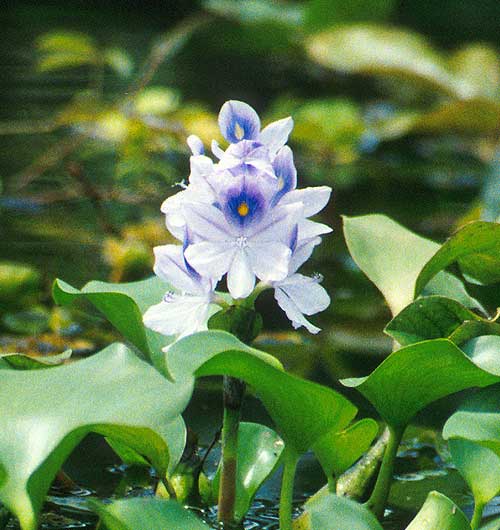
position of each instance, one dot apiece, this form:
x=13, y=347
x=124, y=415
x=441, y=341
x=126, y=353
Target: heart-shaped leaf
x=392, y=257
x=146, y=514
x=337, y=451
x=378, y=50
x=478, y=419
x=406, y=381
x=479, y=466
x=346, y=514
x=113, y=393
x=123, y=304
x=476, y=247
x=485, y=352
x=439, y=513
x=302, y=410
x=259, y=452
x=430, y=317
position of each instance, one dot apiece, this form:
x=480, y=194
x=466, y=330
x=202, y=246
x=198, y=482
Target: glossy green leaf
x=476, y=247
x=338, y=451
x=146, y=514
x=406, y=381
x=325, y=510
x=392, y=257
x=485, y=352
x=479, y=466
x=113, y=393
x=430, y=317
x=478, y=419
x=378, y=50
x=259, y=452
x=123, y=304
x=302, y=410
x=439, y=513
x=320, y=14
x=21, y=361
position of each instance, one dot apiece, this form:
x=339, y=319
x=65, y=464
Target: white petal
x=310, y=229
x=292, y=312
x=216, y=149
x=278, y=225
x=302, y=253
x=208, y=222
x=171, y=267
x=275, y=135
x=240, y=278
x=307, y=294
x=195, y=144
x=269, y=261
x=314, y=199
x=210, y=259
x=182, y=316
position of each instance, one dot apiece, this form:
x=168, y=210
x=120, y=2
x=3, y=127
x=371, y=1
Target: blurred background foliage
x=396, y=106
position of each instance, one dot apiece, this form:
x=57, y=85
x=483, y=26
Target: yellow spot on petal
x=281, y=183
x=243, y=209
x=238, y=131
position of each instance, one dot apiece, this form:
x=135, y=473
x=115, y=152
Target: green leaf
x=18, y=284
x=119, y=61
x=147, y=514
x=392, y=257
x=377, y=50
x=302, y=411
x=407, y=380
x=123, y=304
x=21, y=361
x=338, y=451
x=478, y=419
x=320, y=14
x=112, y=393
x=479, y=466
x=439, y=513
x=474, y=328
x=347, y=514
x=476, y=247
x=66, y=41
x=430, y=317
x=485, y=352
x=259, y=452
x=62, y=60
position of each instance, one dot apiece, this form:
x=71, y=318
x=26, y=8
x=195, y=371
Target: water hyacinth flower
x=243, y=218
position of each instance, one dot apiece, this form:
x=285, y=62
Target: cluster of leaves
x=134, y=395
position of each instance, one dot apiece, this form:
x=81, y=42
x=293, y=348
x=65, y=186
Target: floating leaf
x=347, y=514
x=338, y=451
x=476, y=247
x=302, y=410
x=113, y=393
x=406, y=381
x=392, y=257
x=259, y=452
x=430, y=317
x=439, y=513
x=377, y=50
x=147, y=514
x=123, y=304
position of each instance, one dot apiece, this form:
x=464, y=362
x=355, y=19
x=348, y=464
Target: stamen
x=241, y=242
x=169, y=296
x=243, y=209
x=317, y=277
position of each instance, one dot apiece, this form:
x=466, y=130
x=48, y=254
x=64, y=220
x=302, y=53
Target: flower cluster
x=242, y=217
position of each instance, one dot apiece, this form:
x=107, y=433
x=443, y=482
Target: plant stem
x=380, y=492
x=234, y=390
x=477, y=516
x=290, y=459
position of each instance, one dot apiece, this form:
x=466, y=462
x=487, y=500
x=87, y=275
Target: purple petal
x=275, y=135
x=171, y=267
x=238, y=121
x=244, y=205
x=285, y=171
